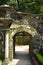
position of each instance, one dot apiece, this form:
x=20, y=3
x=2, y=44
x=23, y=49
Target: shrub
x=39, y=57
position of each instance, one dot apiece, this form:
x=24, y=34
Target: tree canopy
x=30, y=6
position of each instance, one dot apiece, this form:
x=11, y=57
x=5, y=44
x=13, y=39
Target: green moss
x=39, y=57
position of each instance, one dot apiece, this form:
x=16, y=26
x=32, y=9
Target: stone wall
x=31, y=25
x=2, y=45
x=37, y=41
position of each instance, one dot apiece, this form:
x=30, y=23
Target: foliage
x=31, y=6
x=39, y=57
x=22, y=40
x=3, y=2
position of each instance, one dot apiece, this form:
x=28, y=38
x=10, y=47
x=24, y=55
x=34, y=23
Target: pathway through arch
x=21, y=56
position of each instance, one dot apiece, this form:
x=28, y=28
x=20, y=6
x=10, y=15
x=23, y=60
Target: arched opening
x=22, y=31
x=21, y=38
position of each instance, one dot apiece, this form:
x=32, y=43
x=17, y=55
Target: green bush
x=22, y=40
x=39, y=57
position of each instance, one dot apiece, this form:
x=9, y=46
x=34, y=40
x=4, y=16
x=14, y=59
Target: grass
x=0, y=61
x=39, y=57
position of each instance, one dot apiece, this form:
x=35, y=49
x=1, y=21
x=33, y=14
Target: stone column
x=11, y=49
x=6, y=61
x=7, y=45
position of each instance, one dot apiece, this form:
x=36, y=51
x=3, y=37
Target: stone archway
x=23, y=33
x=17, y=22
x=16, y=29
